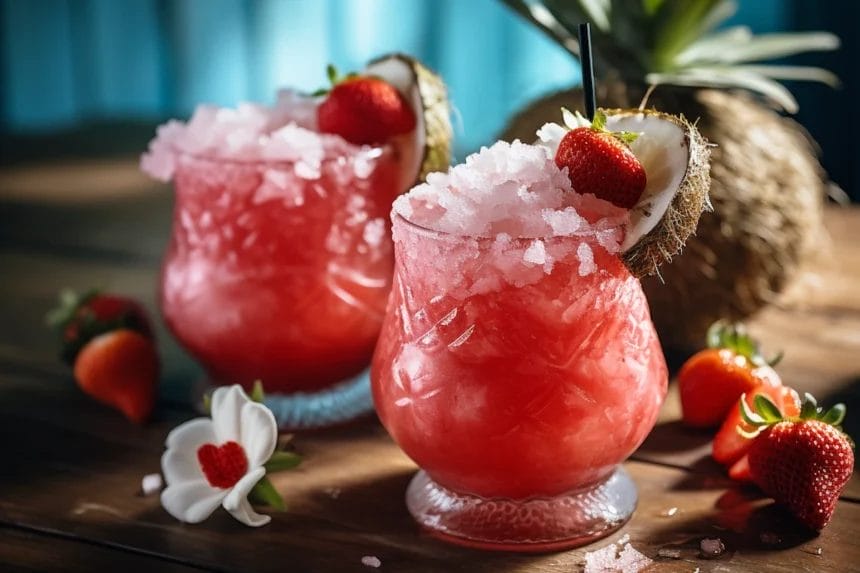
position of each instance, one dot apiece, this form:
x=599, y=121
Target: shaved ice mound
x=284, y=132
x=507, y=216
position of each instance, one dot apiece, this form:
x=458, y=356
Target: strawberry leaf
x=627, y=137
x=331, y=73
x=767, y=409
x=834, y=415
x=809, y=408
x=748, y=415
x=599, y=121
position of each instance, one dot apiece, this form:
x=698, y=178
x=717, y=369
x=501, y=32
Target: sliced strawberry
x=120, y=369
x=740, y=470
x=729, y=445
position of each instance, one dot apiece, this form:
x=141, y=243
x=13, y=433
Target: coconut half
x=428, y=147
x=675, y=157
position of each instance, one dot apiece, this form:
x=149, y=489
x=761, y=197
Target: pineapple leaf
x=802, y=73
x=719, y=14
x=651, y=6
x=677, y=25
x=729, y=50
x=728, y=77
x=712, y=43
x=580, y=11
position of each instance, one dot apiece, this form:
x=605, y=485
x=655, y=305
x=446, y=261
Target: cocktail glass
x=517, y=385
x=279, y=270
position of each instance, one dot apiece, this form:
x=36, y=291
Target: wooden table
x=70, y=470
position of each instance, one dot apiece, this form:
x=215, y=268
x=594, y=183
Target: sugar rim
x=435, y=233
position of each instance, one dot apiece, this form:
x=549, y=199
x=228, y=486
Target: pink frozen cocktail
x=517, y=365
x=280, y=261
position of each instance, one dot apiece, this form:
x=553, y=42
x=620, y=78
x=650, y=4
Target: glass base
x=334, y=405
x=528, y=525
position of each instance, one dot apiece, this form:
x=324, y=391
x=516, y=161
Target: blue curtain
x=71, y=61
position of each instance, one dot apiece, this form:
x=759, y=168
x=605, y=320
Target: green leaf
x=809, y=408
x=265, y=493
x=331, y=73
x=834, y=415
x=599, y=121
x=542, y=18
x=677, y=25
x=767, y=409
x=207, y=403
x=698, y=51
x=796, y=73
x=769, y=47
x=651, y=6
x=257, y=394
x=281, y=461
x=748, y=415
x=627, y=137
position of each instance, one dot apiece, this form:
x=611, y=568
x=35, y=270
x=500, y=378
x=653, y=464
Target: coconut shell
x=767, y=191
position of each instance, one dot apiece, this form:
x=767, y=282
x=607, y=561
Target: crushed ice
x=371, y=561
x=619, y=557
x=282, y=132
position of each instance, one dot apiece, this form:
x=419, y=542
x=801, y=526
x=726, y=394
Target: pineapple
x=767, y=186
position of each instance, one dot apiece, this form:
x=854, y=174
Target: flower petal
x=242, y=488
x=227, y=403
x=180, y=466
x=191, y=435
x=246, y=514
x=258, y=432
x=191, y=501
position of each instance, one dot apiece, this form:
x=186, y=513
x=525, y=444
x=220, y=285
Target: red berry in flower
x=601, y=162
x=803, y=462
x=223, y=465
x=364, y=110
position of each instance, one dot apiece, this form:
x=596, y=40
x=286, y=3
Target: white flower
x=219, y=461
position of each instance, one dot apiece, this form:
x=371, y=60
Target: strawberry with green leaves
x=601, y=162
x=81, y=317
x=364, y=110
x=803, y=462
x=712, y=380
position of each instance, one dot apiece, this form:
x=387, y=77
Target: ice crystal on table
x=371, y=561
x=712, y=547
x=610, y=560
x=282, y=132
x=669, y=553
x=670, y=512
x=151, y=484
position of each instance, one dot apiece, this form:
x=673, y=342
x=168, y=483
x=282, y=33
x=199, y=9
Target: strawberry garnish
x=600, y=161
x=120, y=369
x=802, y=462
x=364, y=110
x=80, y=318
x=712, y=380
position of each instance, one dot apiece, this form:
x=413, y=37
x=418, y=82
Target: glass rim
x=435, y=233
x=212, y=156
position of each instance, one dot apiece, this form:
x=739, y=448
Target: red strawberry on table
x=120, y=368
x=599, y=161
x=802, y=462
x=364, y=110
x=712, y=380
x=79, y=318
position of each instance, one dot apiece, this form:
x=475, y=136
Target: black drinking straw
x=587, y=70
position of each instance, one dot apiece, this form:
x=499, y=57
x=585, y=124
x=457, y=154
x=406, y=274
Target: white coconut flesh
x=675, y=158
x=427, y=147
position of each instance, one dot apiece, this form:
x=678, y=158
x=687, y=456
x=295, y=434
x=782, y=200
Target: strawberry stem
x=734, y=336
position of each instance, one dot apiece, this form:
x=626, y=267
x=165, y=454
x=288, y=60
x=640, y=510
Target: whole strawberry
x=802, y=462
x=712, y=380
x=80, y=318
x=364, y=110
x=599, y=161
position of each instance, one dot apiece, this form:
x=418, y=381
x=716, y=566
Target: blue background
x=65, y=62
